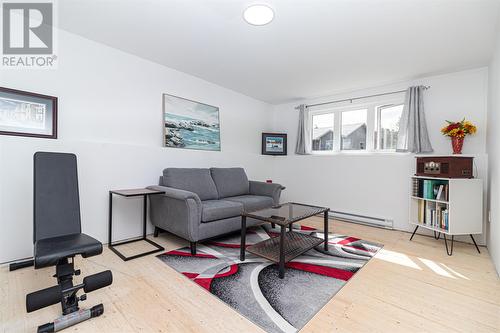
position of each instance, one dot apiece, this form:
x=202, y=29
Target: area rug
x=253, y=288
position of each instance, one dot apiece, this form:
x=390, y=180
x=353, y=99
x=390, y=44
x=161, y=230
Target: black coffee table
x=288, y=245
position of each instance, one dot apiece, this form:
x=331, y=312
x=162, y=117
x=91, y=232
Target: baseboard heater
x=362, y=219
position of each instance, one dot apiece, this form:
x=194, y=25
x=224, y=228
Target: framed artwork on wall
x=274, y=144
x=25, y=113
x=190, y=125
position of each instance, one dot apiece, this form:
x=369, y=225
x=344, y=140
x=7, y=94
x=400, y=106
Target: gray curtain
x=413, y=136
x=303, y=146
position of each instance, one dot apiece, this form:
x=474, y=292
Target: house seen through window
x=322, y=132
x=353, y=130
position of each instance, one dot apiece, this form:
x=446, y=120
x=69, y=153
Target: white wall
x=377, y=184
x=110, y=115
x=493, y=144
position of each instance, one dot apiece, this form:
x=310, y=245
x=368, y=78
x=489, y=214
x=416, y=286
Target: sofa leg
x=193, y=248
x=157, y=232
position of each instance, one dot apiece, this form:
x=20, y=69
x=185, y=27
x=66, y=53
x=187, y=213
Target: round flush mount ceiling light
x=258, y=15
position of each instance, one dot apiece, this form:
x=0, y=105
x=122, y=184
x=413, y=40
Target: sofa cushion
x=212, y=210
x=194, y=180
x=230, y=182
x=252, y=202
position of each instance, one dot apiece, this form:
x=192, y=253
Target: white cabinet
x=458, y=210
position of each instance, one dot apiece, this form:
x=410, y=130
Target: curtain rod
x=356, y=98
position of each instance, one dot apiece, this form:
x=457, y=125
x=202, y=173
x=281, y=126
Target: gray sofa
x=199, y=204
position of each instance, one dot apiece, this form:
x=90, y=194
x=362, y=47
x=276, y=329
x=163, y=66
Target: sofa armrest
x=176, y=211
x=175, y=193
x=267, y=189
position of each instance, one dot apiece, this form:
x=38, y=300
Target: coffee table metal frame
x=288, y=245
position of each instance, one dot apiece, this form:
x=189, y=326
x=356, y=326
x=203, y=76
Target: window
x=354, y=130
x=350, y=127
x=322, y=133
x=387, y=126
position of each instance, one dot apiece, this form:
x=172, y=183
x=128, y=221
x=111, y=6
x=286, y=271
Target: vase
x=457, y=144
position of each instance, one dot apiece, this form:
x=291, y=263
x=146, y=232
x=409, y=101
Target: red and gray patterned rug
x=253, y=288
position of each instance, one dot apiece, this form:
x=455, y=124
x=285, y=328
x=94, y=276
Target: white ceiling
x=312, y=47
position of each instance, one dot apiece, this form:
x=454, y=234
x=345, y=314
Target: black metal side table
x=132, y=193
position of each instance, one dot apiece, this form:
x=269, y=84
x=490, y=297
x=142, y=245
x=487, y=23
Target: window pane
x=387, y=128
x=322, y=132
x=354, y=130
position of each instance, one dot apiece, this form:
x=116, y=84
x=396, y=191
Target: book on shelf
x=434, y=189
x=433, y=214
x=445, y=219
x=416, y=187
x=430, y=190
x=437, y=222
x=439, y=195
x=421, y=211
x=428, y=215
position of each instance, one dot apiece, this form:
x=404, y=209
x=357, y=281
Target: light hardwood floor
x=408, y=287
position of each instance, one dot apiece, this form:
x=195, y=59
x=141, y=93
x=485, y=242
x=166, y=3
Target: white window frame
x=318, y=113
x=377, y=125
x=371, y=105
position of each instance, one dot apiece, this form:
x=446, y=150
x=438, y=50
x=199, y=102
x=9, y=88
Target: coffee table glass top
x=286, y=213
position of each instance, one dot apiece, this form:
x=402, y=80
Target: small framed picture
x=274, y=143
x=25, y=113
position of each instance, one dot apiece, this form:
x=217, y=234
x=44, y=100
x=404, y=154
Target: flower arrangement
x=457, y=131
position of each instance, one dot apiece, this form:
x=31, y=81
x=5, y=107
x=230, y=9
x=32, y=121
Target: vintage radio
x=445, y=166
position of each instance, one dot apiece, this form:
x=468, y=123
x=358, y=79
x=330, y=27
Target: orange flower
x=469, y=128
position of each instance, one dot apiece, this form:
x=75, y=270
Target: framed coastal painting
x=274, y=144
x=25, y=113
x=190, y=125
